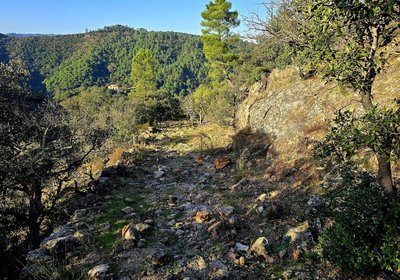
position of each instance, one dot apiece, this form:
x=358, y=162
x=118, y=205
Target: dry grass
x=115, y=156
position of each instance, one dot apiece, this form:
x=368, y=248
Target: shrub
x=365, y=235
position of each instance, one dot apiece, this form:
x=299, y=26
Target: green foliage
x=102, y=57
x=156, y=106
x=97, y=108
x=364, y=237
x=197, y=104
x=378, y=130
x=218, y=39
x=346, y=39
x=143, y=72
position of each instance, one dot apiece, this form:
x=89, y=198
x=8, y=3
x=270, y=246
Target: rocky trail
x=170, y=211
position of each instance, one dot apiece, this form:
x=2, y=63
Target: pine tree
x=143, y=72
x=218, y=39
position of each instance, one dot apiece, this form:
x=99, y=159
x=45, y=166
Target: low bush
x=365, y=235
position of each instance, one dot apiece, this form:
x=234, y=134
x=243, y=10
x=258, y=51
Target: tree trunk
x=35, y=212
x=384, y=164
x=385, y=175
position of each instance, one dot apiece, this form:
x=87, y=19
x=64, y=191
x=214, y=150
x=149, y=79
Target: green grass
x=113, y=216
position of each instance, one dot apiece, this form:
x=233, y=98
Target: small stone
x=205, y=178
x=261, y=248
x=197, y=263
x=127, y=210
x=142, y=227
x=215, y=226
x=79, y=214
x=220, y=271
x=226, y=211
x=241, y=247
x=141, y=243
x=179, y=225
x=128, y=199
x=100, y=272
x=104, y=227
x=241, y=183
x=60, y=246
x=282, y=253
x=159, y=174
x=242, y=261
x=221, y=162
x=314, y=201
x=260, y=209
x=128, y=232
x=262, y=197
x=159, y=257
x=38, y=256
x=201, y=216
x=149, y=222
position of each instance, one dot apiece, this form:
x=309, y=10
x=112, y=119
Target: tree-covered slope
x=62, y=64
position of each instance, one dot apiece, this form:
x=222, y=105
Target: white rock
x=100, y=272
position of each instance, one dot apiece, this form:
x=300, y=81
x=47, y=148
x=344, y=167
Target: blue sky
x=74, y=16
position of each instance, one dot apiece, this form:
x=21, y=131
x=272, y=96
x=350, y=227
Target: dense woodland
x=68, y=101
x=60, y=65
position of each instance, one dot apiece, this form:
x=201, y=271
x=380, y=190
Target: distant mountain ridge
x=62, y=64
x=22, y=35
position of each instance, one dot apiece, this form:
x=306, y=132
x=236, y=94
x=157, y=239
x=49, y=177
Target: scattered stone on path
x=159, y=257
x=142, y=227
x=129, y=232
x=58, y=247
x=100, y=272
x=239, y=247
x=274, y=210
x=127, y=210
x=104, y=227
x=199, y=159
x=239, y=184
x=202, y=216
x=261, y=248
x=197, y=263
x=158, y=174
x=262, y=197
x=172, y=200
x=205, y=178
x=219, y=271
x=226, y=211
x=236, y=259
x=79, y=215
x=38, y=256
x=221, y=162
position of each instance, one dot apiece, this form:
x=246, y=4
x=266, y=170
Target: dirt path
x=171, y=212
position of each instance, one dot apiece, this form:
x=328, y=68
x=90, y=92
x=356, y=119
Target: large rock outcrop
x=293, y=111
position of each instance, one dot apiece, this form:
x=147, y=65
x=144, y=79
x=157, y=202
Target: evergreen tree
x=218, y=38
x=143, y=72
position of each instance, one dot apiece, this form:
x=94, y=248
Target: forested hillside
x=61, y=64
x=287, y=165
